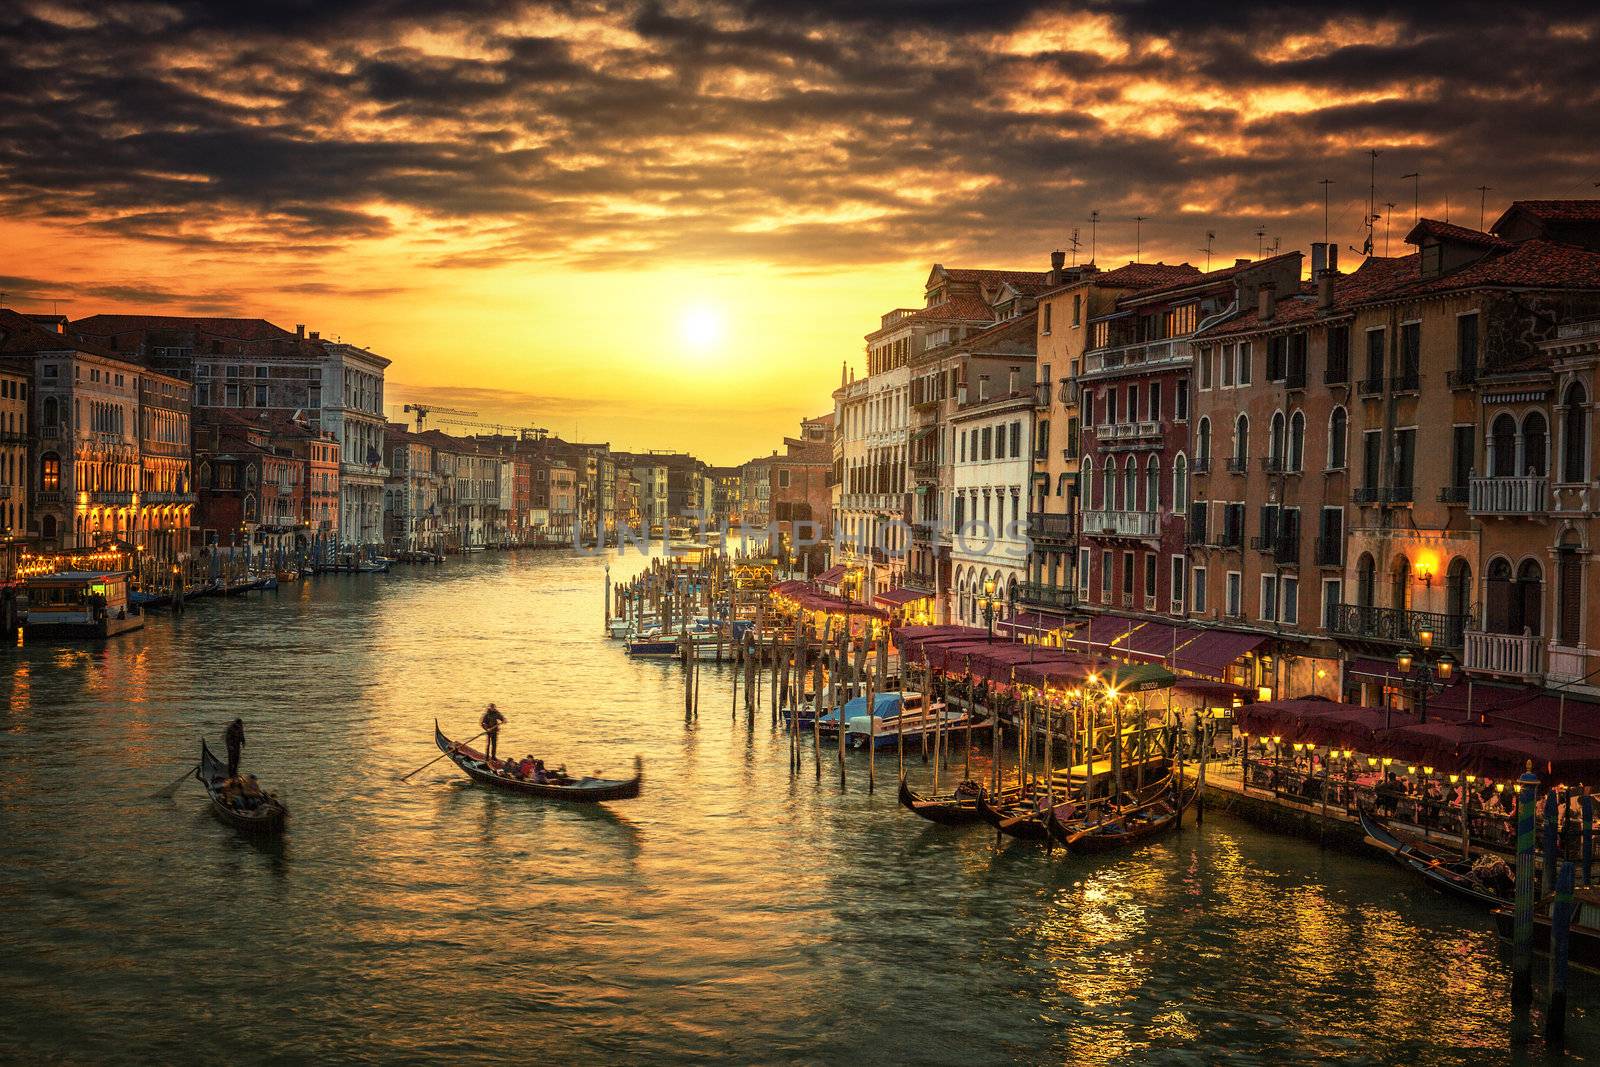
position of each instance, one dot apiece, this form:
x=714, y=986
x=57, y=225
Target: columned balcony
x=1508, y=496
x=923, y=583
x=1123, y=523
x=1513, y=655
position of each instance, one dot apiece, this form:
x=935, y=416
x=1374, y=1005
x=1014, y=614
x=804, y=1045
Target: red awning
x=832, y=575
x=1221, y=692
x=1213, y=651
x=900, y=597
x=1035, y=622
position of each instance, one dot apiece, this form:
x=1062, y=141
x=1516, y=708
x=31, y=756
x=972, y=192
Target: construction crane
x=526, y=433
x=423, y=410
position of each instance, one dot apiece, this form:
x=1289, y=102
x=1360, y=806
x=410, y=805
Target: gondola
x=489, y=772
x=267, y=816
x=1015, y=816
x=1106, y=830
x=1442, y=870
x=950, y=809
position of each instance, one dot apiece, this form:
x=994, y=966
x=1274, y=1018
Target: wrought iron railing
x=1043, y=595
x=1399, y=625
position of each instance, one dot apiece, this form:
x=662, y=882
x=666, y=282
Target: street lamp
x=1433, y=672
x=988, y=607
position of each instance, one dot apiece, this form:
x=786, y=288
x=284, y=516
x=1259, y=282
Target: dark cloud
x=796, y=135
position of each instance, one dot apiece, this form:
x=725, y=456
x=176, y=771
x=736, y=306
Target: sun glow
x=701, y=328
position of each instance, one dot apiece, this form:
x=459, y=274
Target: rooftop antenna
x=1447, y=207
x=1261, y=241
x=1325, y=182
x=1372, y=202
x=1138, y=236
x=1416, y=194
x=1483, y=199
x=1211, y=235
x=1094, y=232
x=1076, y=244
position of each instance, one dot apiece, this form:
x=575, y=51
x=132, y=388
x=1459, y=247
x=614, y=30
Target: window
x=1127, y=574
x=1374, y=357
x=1569, y=592
x=1150, y=575
x=988, y=442
x=1463, y=441
x=1152, y=484
x=1228, y=358
x=1338, y=369
x=1338, y=432
x=1533, y=444
x=1574, y=434
x=1016, y=440
x=1503, y=446
x=1332, y=596
x=1205, y=357
x=1175, y=579
x=1045, y=327
x=1202, y=447
x=1245, y=355
x=50, y=472
x=1234, y=595
x=1410, y=354
x=1405, y=442
x=1269, y=597
x=963, y=446
x=1155, y=401
x=1199, y=511
x=1277, y=360
x=1083, y=573
x=1289, y=594
x=1111, y=406
x=1105, y=576
x=1372, y=458
x=1330, y=537
x=1232, y=525
x=1180, y=484
x=783, y=478
x=1180, y=401
x=1088, y=407
x=1127, y=499
x=1241, y=440
x=1297, y=441
x=1077, y=309
x=1042, y=439
x=1466, y=349
x=1198, y=584
x=1275, y=441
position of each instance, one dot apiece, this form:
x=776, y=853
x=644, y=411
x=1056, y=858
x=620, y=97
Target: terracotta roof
x=1372, y=279
x=1533, y=264
x=20, y=335
x=1555, y=210
x=1145, y=275
x=1446, y=231
x=1021, y=330
x=237, y=329
x=1020, y=278
x=962, y=308
x=1207, y=278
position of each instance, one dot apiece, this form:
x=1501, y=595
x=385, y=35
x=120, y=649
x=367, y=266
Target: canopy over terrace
x=809, y=598
x=1204, y=652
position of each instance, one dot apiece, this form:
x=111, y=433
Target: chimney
x=1268, y=306
x=1240, y=262
x=316, y=335
x=1333, y=258
x=961, y=395
x=1325, y=290
x=1011, y=382
x=300, y=330
x=1319, y=258
x=983, y=387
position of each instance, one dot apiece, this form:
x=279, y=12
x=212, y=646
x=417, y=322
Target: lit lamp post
x=1432, y=672
x=989, y=603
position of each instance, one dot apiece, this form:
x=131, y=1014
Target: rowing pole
x=442, y=755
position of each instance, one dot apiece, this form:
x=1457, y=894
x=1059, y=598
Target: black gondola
x=950, y=809
x=1442, y=870
x=556, y=786
x=1160, y=810
x=263, y=814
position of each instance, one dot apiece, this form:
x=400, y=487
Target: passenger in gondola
x=525, y=768
x=491, y=727
x=233, y=737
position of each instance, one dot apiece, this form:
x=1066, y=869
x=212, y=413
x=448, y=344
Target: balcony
x=1276, y=465
x=922, y=532
x=1508, y=496
x=1040, y=595
x=1370, y=387
x=1398, y=626
x=1236, y=464
x=1135, y=355
x=1337, y=373
x=1070, y=452
x=925, y=470
x=1453, y=494
x=1458, y=380
x=1200, y=465
x=1068, y=393
x=113, y=497
x=923, y=583
x=1231, y=538
x=1512, y=655
x=1041, y=394
x=1296, y=378
x=1407, y=381
x=1330, y=551
x=48, y=496
x=51, y=433
x=1124, y=523
x=167, y=498
x=1382, y=495
x=1058, y=528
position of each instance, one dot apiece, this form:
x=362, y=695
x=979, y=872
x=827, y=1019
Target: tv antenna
x=1094, y=232
x=1325, y=182
x=1138, y=235
x=1076, y=244
x=1416, y=193
x=1483, y=199
x=1386, y=217
x=1211, y=235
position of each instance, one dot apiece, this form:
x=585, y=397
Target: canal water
x=730, y=913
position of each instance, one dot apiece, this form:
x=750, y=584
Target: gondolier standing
x=233, y=737
x=491, y=727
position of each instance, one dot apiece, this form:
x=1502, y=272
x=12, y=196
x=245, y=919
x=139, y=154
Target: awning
x=832, y=575
x=899, y=597
x=1217, y=694
x=1213, y=651
x=1139, y=677
x=1034, y=622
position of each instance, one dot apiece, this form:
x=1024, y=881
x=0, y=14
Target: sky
x=669, y=224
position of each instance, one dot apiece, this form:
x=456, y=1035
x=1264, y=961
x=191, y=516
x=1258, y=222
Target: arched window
x=1275, y=441
x=205, y=474
x=1241, y=439
x=1574, y=434
x=1109, y=489
x=1569, y=591
x=1366, y=572
x=1534, y=437
x=1338, y=438
x=1528, y=606
x=1497, y=590
x=1297, y=440
x=1086, y=487
x=1503, y=447
x=249, y=507
x=1152, y=485
x=1458, y=588
x=1180, y=485
x=50, y=472
x=1202, y=442
x=1400, y=583
x=1130, y=486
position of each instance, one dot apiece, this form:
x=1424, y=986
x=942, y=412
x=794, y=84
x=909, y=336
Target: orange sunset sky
x=666, y=225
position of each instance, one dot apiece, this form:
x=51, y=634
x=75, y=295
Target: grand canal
x=730, y=913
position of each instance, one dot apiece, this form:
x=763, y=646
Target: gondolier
x=233, y=737
x=491, y=727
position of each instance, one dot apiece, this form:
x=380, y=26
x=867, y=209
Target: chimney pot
x=1058, y=259
x=316, y=335
x=300, y=330
x=1333, y=257
x=1268, y=302
x=1240, y=262
x=1325, y=290
x=1011, y=381
x=1319, y=258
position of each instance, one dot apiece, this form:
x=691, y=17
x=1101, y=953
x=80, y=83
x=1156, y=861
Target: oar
x=442, y=755
x=173, y=788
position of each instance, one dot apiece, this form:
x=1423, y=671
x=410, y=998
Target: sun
x=701, y=328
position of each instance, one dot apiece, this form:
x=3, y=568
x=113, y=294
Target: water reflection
x=733, y=911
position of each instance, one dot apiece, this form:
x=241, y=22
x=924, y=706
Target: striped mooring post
x=1522, y=927
x=1586, y=806
x=1555, y=1016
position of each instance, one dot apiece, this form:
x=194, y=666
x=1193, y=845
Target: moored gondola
x=555, y=786
x=959, y=808
x=1020, y=816
x=1487, y=882
x=1103, y=827
x=240, y=806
